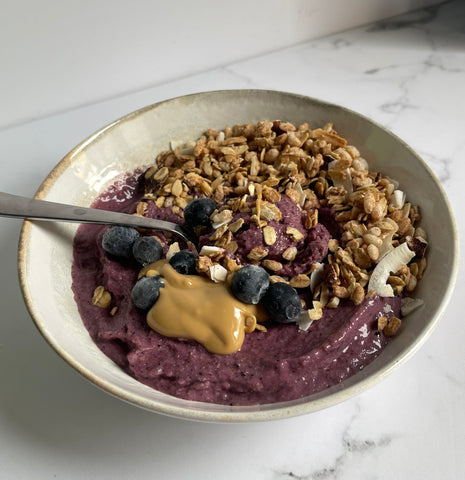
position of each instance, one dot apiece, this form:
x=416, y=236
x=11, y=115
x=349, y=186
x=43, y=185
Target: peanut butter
x=191, y=306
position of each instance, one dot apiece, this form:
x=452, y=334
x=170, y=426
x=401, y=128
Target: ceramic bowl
x=45, y=252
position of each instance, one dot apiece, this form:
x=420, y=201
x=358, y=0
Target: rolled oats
x=248, y=168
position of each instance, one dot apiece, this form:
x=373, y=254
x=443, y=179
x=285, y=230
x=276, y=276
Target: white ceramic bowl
x=45, y=252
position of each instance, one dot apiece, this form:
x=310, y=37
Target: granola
x=249, y=168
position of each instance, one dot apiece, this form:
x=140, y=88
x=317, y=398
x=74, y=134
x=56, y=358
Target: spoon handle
x=22, y=207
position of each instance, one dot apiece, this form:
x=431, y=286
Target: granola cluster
x=250, y=167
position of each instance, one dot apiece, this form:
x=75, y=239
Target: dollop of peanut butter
x=191, y=306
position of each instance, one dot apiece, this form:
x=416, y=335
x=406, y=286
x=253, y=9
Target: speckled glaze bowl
x=45, y=251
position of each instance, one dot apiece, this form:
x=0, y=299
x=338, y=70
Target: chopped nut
x=316, y=312
x=101, y=297
x=141, y=208
x=392, y=327
x=203, y=264
x=382, y=322
x=230, y=264
x=271, y=194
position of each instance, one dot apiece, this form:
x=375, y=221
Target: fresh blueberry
x=282, y=302
x=147, y=250
x=146, y=291
x=118, y=240
x=184, y=262
x=198, y=212
x=250, y=283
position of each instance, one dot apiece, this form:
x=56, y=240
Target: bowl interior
x=45, y=254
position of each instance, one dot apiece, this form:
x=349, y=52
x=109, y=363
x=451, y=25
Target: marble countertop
x=407, y=73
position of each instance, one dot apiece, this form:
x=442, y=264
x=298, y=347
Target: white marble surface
x=408, y=74
x=59, y=55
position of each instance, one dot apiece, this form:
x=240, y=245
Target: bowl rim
x=235, y=414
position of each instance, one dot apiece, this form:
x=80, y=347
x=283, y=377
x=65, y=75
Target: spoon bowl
x=21, y=207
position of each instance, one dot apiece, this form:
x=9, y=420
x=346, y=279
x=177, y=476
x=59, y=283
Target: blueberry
x=146, y=291
x=147, y=250
x=198, y=212
x=282, y=302
x=118, y=240
x=184, y=262
x=249, y=284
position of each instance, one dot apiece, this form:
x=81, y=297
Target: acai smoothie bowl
x=323, y=253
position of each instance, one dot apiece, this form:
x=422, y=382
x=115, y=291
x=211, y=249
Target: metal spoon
x=30, y=208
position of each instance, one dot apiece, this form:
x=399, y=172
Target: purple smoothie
x=278, y=365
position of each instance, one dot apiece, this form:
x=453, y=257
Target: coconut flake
x=386, y=246
x=340, y=178
x=218, y=273
x=391, y=262
x=303, y=321
x=408, y=305
x=316, y=276
x=210, y=251
x=182, y=148
x=174, y=248
x=398, y=198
